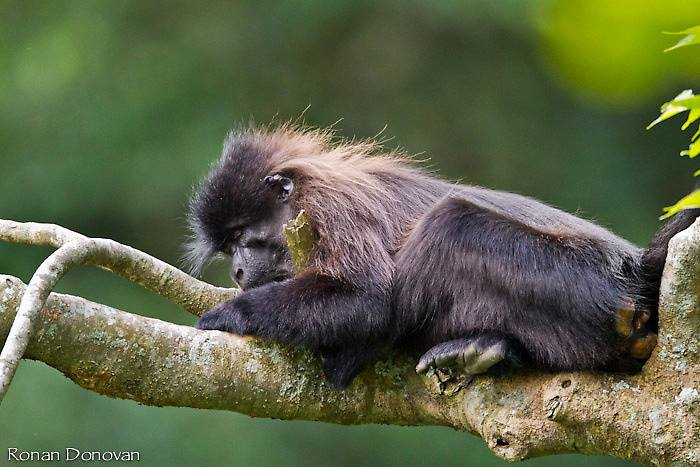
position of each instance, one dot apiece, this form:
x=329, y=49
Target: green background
x=111, y=111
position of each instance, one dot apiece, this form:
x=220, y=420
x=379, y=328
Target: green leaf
x=692, y=116
x=693, y=150
x=682, y=102
x=691, y=102
x=695, y=136
x=692, y=36
x=687, y=202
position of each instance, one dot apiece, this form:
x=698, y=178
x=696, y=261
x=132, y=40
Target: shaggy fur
x=404, y=259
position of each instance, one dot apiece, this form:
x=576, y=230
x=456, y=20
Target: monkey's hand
x=230, y=316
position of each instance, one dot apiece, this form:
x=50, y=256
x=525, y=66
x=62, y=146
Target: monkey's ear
x=282, y=185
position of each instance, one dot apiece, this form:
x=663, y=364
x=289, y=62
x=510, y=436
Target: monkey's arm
x=311, y=310
x=346, y=323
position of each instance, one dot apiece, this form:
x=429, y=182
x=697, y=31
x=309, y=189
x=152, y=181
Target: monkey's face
x=259, y=252
x=245, y=222
x=258, y=248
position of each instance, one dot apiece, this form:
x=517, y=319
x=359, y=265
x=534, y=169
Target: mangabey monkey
x=467, y=276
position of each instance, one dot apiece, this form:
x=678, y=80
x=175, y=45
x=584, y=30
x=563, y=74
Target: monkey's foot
x=633, y=323
x=469, y=356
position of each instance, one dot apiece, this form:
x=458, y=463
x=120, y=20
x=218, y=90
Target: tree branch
x=75, y=249
x=136, y=266
x=651, y=417
x=159, y=363
x=33, y=299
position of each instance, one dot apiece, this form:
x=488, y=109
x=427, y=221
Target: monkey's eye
x=233, y=237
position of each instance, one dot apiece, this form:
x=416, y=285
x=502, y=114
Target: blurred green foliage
x=111, y=111
x=691, y=36
x=686, y=101
x=608, y=51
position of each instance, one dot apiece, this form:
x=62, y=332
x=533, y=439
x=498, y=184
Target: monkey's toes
x=642, y=347
x=468, y=356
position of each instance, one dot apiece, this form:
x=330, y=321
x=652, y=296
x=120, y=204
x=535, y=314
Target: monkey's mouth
x=258, y=283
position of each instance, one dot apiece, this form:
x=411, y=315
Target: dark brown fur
x=406, y=259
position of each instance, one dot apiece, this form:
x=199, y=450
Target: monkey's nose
x=239, y=275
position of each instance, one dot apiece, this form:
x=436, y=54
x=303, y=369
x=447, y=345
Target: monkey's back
x=481, y=260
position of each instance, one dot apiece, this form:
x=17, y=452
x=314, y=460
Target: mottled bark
x=74, y=249
x=651, y=417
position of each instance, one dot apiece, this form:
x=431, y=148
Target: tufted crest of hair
x=359, y=197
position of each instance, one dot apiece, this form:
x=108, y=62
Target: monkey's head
x=267, y=175
x=239, y=210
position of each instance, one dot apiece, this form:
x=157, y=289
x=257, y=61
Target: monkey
x=466, y=278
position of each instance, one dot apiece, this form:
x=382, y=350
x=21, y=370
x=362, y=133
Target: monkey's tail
x=654, y=258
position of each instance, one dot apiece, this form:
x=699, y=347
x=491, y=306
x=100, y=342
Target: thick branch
x=651, y=417
x=158, y=363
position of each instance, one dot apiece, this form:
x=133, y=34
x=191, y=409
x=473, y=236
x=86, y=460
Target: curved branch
x=653, y=417
x=191, y=294
x=33, y=299
x=75, y=249
x=526, y=415
x=32, y=233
